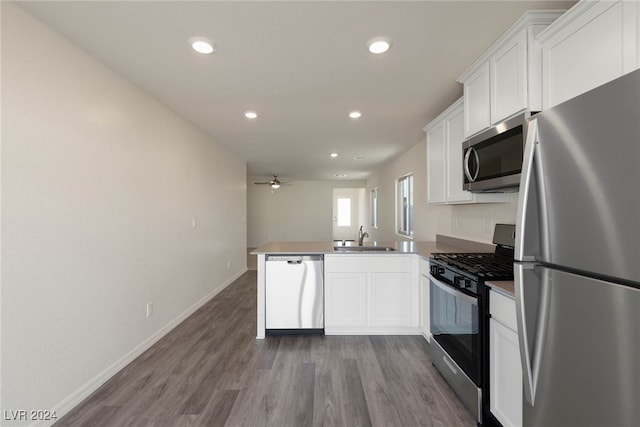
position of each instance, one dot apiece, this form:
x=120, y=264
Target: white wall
x=471, y=222
x=297, y=213
x=100, y=185
x=425, y=216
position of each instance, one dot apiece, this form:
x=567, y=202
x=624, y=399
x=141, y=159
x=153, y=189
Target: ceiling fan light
x=274, y=183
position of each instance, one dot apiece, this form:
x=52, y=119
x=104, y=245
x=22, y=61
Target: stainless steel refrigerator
x=577, y=270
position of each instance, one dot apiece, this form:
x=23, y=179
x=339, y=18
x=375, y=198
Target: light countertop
x=506, y=287
x=424, y=249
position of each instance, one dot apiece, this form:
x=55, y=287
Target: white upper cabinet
x=509, y=78
x=592, y=44
x=445, y=135
x=436, y=164
x=477, y=93
x=454, y=133
x=506, y=78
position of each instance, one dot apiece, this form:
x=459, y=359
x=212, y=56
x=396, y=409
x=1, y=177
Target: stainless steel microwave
x=492, y=160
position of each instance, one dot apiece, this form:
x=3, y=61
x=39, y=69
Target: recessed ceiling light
x=334, y=154
x=378, y=45
x=202, y=45
x=355, y=114
x=250, y=114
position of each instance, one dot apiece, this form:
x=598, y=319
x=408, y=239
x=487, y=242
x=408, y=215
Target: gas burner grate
x=485, y=265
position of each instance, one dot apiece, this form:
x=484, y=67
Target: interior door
x=345, y=214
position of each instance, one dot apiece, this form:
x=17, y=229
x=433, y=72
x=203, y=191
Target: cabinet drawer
x=467, y=391
x=503, y=309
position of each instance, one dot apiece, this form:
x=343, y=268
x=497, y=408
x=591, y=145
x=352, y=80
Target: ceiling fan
x=274, y=183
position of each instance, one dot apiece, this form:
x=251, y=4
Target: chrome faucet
x=361, y=236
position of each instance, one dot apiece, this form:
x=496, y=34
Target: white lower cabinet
x=425, y=301
x=390, y=298
x=371, y=294
x=505, y=370
x=346, y=295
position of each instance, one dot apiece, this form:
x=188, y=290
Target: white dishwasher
x=294, y=294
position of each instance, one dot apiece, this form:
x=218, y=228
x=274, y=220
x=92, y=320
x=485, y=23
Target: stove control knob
x=463, y=282
x=435, y=270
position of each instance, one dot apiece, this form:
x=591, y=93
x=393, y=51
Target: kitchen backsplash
x=476, y=222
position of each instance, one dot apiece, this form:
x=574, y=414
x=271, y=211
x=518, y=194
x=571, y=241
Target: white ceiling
x=301, y=65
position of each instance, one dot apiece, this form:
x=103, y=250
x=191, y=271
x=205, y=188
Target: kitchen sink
x=363, y=248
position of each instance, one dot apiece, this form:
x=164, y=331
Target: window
x=373, y=207
x=404, y=213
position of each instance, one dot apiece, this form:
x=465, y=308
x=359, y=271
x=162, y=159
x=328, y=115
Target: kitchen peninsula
x=369, y=290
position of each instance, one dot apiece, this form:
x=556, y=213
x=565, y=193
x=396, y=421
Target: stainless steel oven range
x=459, y=315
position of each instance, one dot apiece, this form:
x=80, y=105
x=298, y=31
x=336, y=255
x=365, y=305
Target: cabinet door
x=509, y=79
x=436, y=164
x=391, y=301
x=346, y=295
x=477, y=108
x=454, y=174
x=599, y=44
x=425, y=319
x=505, y=375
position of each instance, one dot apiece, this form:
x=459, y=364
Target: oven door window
x=455, y=325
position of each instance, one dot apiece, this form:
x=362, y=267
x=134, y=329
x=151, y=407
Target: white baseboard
x=372, y=331
x=85, y=391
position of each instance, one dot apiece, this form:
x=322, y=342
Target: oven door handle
x=453, y=291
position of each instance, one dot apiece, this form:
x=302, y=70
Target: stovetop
x=484, y=266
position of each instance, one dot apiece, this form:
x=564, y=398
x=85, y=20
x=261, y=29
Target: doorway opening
x=349, y=213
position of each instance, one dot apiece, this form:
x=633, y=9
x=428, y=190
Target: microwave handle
x=467, y=172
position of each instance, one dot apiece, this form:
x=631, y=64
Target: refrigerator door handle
x=529, y=213
x=527, y=176
x=531, y=356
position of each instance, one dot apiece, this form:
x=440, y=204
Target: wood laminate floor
x=211, y=371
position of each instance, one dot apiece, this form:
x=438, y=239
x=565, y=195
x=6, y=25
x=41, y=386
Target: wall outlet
x=149, y=308
x=193, y=222
x=228, y=264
